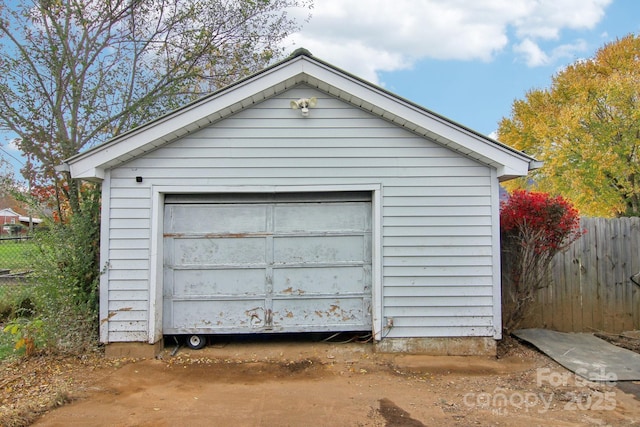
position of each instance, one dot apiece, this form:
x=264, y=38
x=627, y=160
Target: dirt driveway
x=319, y=384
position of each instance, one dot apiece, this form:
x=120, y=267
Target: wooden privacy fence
x=591, y=288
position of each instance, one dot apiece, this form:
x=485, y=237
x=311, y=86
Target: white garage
x=245, y=213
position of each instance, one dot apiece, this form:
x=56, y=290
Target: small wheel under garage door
x=257, y=263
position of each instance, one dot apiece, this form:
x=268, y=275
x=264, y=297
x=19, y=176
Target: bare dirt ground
x=302, y=384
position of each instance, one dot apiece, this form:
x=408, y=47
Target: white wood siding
x=439, y=276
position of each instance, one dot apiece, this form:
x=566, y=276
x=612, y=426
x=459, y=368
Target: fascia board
x=91, y=173
x=510, y=171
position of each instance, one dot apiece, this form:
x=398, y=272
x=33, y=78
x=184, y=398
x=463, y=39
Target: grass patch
x=7, y=346
x=15, y=301
x=15, y=255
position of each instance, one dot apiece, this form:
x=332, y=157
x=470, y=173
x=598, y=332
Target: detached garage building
x=302, y=199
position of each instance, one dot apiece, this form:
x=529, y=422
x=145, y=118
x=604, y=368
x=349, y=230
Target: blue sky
x=465, y=59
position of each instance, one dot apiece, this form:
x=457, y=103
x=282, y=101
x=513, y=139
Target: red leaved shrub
x=534, y=228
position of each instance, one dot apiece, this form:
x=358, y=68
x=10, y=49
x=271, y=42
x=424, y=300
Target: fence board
x=591, y=280
x=619, y=261
x=625, y=293
x=572, y=279
x=590, y=287
x=633, y=265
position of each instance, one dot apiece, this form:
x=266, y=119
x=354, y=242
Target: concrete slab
x=439, y=346
x=586, y=355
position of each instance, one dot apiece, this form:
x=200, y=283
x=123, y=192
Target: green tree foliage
x=74, y=73
x=66, y=278
x=57, y=309
x=586, y=129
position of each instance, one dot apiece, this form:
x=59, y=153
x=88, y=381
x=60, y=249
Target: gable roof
x=8, y=212
x=300, y=67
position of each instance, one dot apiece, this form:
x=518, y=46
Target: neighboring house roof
x=8, y=212
x=300, y=67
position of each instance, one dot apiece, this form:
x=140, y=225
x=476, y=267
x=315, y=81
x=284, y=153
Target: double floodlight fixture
x=304, y=104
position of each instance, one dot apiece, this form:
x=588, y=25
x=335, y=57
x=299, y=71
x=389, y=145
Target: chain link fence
x=15, y=255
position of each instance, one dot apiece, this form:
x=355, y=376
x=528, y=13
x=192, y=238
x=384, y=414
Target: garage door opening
x=198, y=341
x=267, y=263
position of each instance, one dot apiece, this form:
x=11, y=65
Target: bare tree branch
x=74, y=73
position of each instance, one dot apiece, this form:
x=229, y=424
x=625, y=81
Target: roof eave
x=300, y=68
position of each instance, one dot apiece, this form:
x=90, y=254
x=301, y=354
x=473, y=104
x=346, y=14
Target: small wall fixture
x=304, y=104
x=138, y=179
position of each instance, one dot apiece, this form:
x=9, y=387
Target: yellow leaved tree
x=586, y=129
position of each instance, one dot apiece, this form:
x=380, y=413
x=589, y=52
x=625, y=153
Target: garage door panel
x=216, y=219
x=219, y=251
x=219, y=282
x=318, y=249
x=311, y=218
x=190, y=315
x=336, y=313
x=267, y=263
x=321, y=280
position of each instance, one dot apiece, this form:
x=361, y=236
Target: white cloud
x=546, y=19
x=355, y=57
x=568, y=50
x=13, y=144
x=381, y=35
x=534, y=56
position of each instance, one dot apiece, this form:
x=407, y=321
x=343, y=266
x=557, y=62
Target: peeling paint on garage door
x=267, y=263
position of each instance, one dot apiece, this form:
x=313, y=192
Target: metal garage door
x=267, y=263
